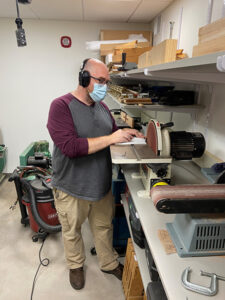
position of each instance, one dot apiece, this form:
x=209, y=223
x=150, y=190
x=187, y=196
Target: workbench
x=171, y=266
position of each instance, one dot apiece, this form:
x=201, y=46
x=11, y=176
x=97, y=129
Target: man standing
x=82, y=130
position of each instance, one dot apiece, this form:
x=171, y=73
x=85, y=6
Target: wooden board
x=164, y=52
x=159, y=54
x=134, y=93
x=129, y=45
x=123, y=116
x=130, y=121
x=212, y=31
x=143, y=60
x=127, y=119
x=179, y=51
x=123, y=34
x=135, y=298
x=132, y=54
x=106, y=49
x=215, y=45
x=181, y=56
x=131, y=280
x=137, y=101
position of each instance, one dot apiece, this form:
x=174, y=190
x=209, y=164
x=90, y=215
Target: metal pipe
x=179, y=28
x=209, y=14
x=17, y=8
x=223, y=9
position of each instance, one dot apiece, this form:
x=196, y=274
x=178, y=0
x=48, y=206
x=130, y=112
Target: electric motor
x=186, y=145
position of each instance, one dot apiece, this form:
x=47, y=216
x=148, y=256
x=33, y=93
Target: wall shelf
x=200, y=69
x=156, y=107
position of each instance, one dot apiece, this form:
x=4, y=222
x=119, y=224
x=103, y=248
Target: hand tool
x=207, y=291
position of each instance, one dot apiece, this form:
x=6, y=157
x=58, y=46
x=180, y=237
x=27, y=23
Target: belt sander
x=199, y=225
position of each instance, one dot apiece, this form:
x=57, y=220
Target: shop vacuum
x=35, y=197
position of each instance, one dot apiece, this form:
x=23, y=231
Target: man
x=82, y=130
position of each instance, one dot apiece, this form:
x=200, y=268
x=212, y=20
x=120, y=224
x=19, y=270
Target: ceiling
x=140, y=11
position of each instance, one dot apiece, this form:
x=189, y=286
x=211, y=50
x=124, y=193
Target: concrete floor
x=19, y=261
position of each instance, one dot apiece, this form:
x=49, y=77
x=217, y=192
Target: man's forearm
x=119, y=136
x=99, y=143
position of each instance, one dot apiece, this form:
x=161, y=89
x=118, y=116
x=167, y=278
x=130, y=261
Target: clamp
x=207, y=291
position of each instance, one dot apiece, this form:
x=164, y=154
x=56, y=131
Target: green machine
x=37, y=153
x=2, y=161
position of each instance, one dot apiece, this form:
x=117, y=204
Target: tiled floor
x=19, y=261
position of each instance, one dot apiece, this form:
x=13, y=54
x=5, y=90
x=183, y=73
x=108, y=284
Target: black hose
x=33, y=205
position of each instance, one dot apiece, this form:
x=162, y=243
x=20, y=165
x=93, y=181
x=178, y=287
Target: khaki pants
x=72, y=213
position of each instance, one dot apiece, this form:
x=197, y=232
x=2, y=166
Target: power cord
x=43, y=262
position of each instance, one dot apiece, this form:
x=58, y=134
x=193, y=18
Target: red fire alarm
x=66, y=41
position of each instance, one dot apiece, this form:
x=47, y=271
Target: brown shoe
x=118, y=271
x=77, y=278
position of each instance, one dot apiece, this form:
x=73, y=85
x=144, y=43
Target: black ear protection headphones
x=84, y=75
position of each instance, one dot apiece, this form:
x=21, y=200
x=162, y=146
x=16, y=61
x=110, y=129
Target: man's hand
x=120, y=136
x=134, y=132
x=125, y=135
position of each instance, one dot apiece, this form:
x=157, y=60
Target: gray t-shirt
x=75, y=172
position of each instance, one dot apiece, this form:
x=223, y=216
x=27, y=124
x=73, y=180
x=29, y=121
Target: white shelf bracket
x=220, y=63
x=147, y=73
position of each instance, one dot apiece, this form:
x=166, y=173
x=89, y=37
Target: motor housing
x=186, y=145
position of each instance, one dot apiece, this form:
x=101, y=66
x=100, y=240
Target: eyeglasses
x=101, y=80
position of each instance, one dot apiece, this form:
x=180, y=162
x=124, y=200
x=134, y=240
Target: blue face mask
x=99, y=92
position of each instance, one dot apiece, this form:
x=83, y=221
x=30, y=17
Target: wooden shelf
x=200, y=69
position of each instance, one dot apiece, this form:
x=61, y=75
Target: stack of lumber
x=134, y=101
x=131, y=281
x=106, y=49
x=211, y=38
x=119, y=91
x=127, y=96
x=133, y=48
x=159, y=54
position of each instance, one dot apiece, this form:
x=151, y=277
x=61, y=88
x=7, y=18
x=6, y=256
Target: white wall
x=194, y=16
x=211, y=120
x=31, y=77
